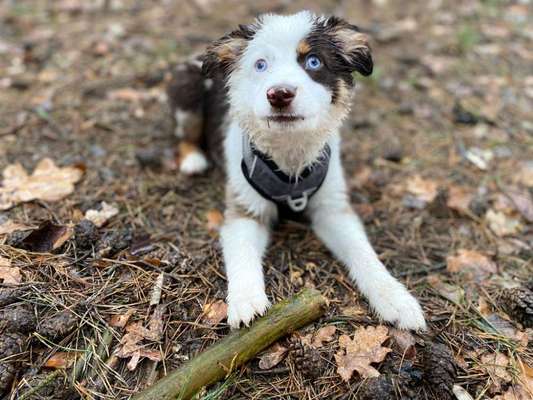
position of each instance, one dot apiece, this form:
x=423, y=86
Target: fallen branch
x=240, y=346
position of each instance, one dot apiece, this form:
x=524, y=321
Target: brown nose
x=281, y=96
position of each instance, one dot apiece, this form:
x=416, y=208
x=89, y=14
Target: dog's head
x=290, y=74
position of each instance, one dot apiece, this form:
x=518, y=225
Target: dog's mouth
x=284, y=118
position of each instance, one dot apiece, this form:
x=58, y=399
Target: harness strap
x=269, y=181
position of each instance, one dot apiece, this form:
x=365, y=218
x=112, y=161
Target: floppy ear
x=222, y=55
x=354, y=47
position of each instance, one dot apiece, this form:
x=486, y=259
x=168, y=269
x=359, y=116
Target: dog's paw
x=244, y=307
x=193, y=163
x=397, y=306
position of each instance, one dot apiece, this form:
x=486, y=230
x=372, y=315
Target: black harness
x=273, y=184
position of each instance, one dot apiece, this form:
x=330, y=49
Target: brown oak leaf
x=358, y=353
x=48, y=182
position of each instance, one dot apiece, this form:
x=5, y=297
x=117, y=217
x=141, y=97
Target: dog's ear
x=354, y=47
x=222, y=55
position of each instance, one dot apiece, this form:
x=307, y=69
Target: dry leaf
x=479, y=157
x=423, y=189
x=461, y=393
x=215, y=312
x=48, y=182
x=405, y=343
x=130, y=344
x=156, y=324
x=501, y=224
x=515, y=392
x=9, y=275
x=9, y=227
x=495, y=364
x=48, y=237
x=525, y=173
x=120, y=320
x=459, y=199
x=100, y=217
x=62, y=360
x=506, y=328
x=518, y=200
x=324, y=335
x=361, y=177
x=214, y=220
x=272, y=356
x=484, y=307
x=5, y=262
x=450, y=292
x=155, y=297
x=472, y=263
x=353, y=311
x=358, y=353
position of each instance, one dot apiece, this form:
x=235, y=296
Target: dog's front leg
x=244, y=241
x=343, y=233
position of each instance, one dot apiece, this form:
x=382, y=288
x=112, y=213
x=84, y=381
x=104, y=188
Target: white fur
x=342, y=232
x=293, y=147
x=244, y=241
x=181, y=120
x=194, y=163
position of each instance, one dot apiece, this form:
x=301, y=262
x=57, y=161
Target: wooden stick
x=237, y=348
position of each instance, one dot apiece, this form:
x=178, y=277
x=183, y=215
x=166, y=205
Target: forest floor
x=110, y=269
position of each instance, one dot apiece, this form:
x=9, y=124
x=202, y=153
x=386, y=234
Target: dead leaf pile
x=48, y=182
x=359, y=353
x=474, y=265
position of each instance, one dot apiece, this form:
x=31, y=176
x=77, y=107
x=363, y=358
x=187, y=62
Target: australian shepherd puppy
x=274, y=94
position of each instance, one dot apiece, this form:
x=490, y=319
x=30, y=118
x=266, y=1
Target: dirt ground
x=438, y=152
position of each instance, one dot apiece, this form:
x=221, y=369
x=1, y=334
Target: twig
x=240, y=346
x=41, y=384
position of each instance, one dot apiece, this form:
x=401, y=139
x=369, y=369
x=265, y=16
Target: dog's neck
x=292, y=153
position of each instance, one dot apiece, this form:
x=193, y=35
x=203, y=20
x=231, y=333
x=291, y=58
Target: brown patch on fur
x=229, y=51
x=192, y=128
x=303, y=47
x=186, y=148
x=223, y=53
x=352, y=40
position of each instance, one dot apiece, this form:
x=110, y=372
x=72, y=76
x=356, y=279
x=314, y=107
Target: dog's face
x=290, y=75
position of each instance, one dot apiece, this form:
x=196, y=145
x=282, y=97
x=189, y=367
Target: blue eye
x=261, y=65
x=313, y=63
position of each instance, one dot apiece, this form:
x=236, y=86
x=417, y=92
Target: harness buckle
x=299, y=204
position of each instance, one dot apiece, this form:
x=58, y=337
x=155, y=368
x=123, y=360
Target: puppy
x=274, y=94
